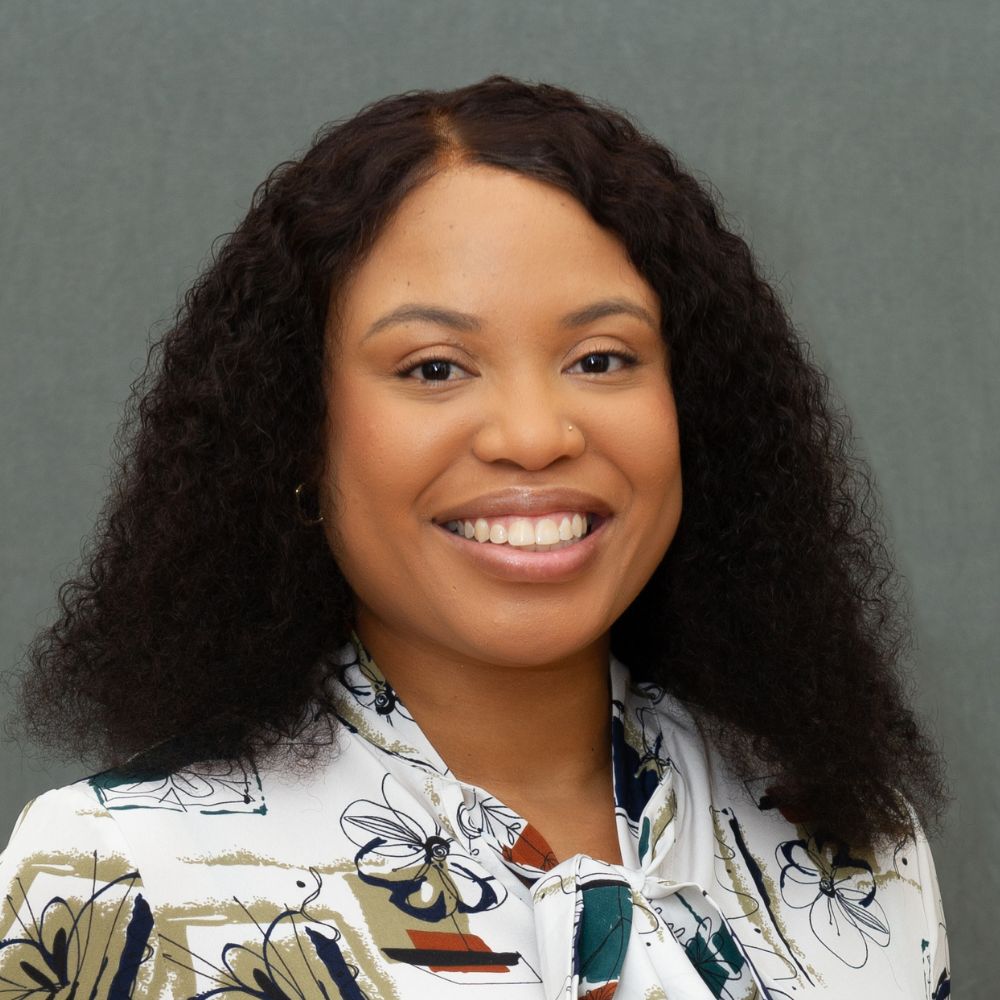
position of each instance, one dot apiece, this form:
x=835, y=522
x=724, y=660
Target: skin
x=500, y=672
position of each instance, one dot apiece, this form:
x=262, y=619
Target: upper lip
x=526, y=501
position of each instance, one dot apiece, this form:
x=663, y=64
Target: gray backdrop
x=857, y=144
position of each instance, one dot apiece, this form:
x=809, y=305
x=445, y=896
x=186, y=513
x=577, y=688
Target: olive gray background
x=857, y=147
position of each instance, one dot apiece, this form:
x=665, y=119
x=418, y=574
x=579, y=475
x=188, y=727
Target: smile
x=529, y=534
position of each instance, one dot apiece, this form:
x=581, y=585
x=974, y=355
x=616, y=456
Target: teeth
x=547, y=548
x=521, y=533
x=547, y=532
x=525, y=533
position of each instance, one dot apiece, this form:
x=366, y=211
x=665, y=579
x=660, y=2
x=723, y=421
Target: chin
x=530, y=644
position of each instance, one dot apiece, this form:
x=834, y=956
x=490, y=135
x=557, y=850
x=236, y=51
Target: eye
x=433, y=370
x=602, y=362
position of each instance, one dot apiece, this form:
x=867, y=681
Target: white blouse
x=380, y=875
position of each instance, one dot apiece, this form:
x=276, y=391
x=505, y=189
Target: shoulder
x=189, y=880
x=818, y=908
x=67, y=820
x=116, y=823
x=66, y=841
x=72, y=897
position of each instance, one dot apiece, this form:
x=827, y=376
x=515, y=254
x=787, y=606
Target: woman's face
x=495, y=367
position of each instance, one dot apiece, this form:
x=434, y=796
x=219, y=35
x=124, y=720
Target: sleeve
x=937, y=965
x=73, y=915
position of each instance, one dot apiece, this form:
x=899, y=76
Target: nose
x=528, y=429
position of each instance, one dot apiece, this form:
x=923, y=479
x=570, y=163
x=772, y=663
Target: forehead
x=479, y=238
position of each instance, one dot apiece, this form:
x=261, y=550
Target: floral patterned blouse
x=381, y=875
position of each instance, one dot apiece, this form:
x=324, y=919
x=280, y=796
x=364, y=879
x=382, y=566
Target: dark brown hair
x=203, y=601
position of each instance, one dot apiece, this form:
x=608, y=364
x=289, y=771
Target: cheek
x=650, y=449
x=650, y=458
x=354, y=455
x=361, y=483
x=363, y=439
x=380, y=456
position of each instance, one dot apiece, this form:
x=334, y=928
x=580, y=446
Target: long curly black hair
x=204, y=601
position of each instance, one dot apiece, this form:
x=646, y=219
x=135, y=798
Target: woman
x=403, y=497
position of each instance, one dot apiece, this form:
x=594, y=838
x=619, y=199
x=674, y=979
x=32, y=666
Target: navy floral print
x=381, y=876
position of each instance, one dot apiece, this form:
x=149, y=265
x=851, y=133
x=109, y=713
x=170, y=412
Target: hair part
x=203, y=605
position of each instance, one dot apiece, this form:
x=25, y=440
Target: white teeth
x=546, y=532
x=546, y=548
x=525, y=533
x=521, y=533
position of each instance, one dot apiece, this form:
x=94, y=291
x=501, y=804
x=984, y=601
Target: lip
x=526, y=502
x=513, y=565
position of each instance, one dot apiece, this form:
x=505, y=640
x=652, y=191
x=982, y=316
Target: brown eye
x=602, y=362
x=435, y=371
x=595, y=364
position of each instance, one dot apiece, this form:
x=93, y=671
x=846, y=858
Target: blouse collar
x=584, y=908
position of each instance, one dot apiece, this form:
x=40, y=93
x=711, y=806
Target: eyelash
x=627, y=358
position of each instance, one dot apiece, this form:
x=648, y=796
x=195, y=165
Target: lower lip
x=507, y=562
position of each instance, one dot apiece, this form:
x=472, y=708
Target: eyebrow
x=609, y=307
x=467, y=323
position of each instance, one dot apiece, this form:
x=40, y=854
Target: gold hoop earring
x=304, y=517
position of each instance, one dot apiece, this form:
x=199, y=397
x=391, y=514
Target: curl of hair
x=204, y=603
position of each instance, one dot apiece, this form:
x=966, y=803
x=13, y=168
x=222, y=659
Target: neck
x=521, y=732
